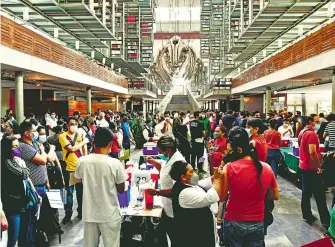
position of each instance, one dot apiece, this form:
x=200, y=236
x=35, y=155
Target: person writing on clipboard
x=166, y=146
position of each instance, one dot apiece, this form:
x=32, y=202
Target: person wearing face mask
x=102, y=122
x=257, y=139
x=167, y=147
x=310, y=166
x=250, y=184
x=207, y=125
x=217, y=148
x=73, y=146
x=14, y=175
x=51, y=122
x=191, y=199
x=180, y=132
x=286, y=130
x=148, y=132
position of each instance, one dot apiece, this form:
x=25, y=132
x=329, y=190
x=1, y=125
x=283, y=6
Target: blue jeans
x=69, y=199
x=312, y=185
x=21, y=229
x=242, y=234
x=274, y=156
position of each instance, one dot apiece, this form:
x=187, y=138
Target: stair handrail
x=195, y=104
x=166, y=100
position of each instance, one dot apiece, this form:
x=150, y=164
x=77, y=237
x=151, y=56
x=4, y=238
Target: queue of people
x=243, y=153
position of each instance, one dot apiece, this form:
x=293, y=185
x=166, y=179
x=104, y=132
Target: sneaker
x=311, y=219
x=66, y=220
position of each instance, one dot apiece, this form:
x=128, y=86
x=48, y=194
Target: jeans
x=312, y=185
x=69, y=200
x=13, y=229
x=196, y=153
x=274, y=156
x=243, y=234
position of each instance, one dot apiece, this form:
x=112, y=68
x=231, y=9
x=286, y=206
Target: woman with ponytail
x=249, y=183
x=257, y=129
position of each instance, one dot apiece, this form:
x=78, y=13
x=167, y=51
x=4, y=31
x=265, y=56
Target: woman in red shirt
x=273, y=139
x=257, y=129
x=115, y=148
x=249, y=183
x=216, y=148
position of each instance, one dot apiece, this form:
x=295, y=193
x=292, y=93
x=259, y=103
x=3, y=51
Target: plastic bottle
x=133, y=194
x=141, y=191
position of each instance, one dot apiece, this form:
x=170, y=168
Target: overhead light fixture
x=38, y=84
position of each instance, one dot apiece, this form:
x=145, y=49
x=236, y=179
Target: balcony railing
x=316, y=43
x=25, y=40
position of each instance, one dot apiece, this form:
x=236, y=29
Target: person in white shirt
x=286, y=130
x=102, y=177
x=51, y=122
x=148, y=132
x=102, y=122
x=191, y=200
x=167, y=147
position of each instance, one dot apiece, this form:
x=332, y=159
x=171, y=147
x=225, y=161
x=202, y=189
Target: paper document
x=55, y=199
x=73, y=179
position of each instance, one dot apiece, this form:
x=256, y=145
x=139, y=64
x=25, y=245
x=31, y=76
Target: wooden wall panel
x=81, y=106
x=25, y=40
x=320, y=41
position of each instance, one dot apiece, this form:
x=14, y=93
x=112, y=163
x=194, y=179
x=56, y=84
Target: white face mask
x=285, y=125
x=74, y=128
x=53, y=116
x=42, y=138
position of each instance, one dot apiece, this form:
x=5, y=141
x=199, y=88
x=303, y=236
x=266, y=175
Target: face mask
x=151, y=125
x=203, y=116
x=35, y=137
x=191, y=119
x=248, y=131
x=316, y=126
x=231, y=156
x=216, y=135
x=42, y=138
x=53, y=116
x=16, y=152
x=163, y=157
x=285, y=125
x=194, y=179
x=74, y=128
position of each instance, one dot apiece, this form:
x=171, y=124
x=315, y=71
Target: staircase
x=179, y=103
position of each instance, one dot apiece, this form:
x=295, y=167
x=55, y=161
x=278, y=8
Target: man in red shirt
x=310, y=165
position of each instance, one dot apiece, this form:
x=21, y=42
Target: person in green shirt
x=205, y=121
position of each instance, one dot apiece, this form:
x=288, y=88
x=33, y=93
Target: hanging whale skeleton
x=176, y=60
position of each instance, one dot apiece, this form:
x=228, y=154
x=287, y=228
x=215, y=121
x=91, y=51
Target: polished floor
x=288, y=229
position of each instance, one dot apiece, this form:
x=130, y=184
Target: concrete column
x=303, y=103
x=19, y=101
x=264, y=103
x=227, y=104
x=333, y=92
x=145, y=109
x=41, y=94
x=251, y=11
x=117, y=103
x=89, y=100
x=104, y=12
x=132, y=104
x=242, y=18
x=268, y=99
x=242, y=102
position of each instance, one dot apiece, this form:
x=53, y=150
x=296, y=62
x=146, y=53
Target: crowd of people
x=82, y=154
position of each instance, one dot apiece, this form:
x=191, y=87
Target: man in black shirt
x=197, y=138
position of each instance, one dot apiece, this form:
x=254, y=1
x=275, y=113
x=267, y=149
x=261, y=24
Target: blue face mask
x=248, y=131
x=151, y=125
x=163, y=157
x=35, y=137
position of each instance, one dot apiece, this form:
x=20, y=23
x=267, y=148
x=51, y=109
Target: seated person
x=191, y=201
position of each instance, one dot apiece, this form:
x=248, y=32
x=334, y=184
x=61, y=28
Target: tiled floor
x=287, y=230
